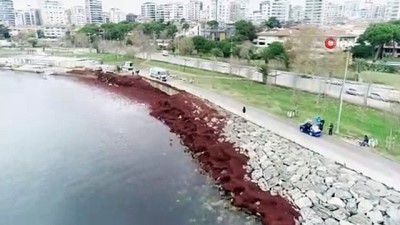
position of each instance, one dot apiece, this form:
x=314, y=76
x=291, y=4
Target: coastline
x=201, y=125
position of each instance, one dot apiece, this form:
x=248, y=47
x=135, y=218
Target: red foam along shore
x=185, y=115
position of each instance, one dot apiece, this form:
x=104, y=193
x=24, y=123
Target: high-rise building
x=106, y=17
x=334, y=13
x=148, y=10
x=378, y=12
x=116, y=15
x=94, y=11
x=77, y=16
x=205, y=14
x=219, y=11
x=7, y=16
x=170, y=11
x=393, y=10
x=280, y=10
x=194, y=9
x=314, y=12
x=351, y=8
x=257, y=17
x=233, y=12
x=297, y=13
x=27, y=17
x=245, y=11
x=53, y=12
x=265, y=8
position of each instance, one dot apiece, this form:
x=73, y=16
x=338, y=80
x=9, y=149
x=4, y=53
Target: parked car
x=159, y=73
x=311, y=129
x=334, y=82
x=129, y=67
x=377, y=96
x=353, y=91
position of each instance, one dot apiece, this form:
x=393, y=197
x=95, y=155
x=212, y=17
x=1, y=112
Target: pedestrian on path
x=244, y=109
x=330, y=129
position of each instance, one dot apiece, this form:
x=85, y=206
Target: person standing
x=330, y=129
x=244, y=109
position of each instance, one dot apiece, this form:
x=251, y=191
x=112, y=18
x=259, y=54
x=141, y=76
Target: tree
x=199, y=43
x=301, y=54
x=33, y=41
x=362, y=51
x=245, y=30
x=216, y=52
x=185, y=26
x=4, y=32
x=186, y=46
x=378, y=35
x=81, y=40
x=264, y=70
x=272, y=22
x=40, y=34
x=213, y=24
x=246, y=50
x=276, y=51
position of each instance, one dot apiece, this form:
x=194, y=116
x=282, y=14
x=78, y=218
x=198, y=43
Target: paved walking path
x=366, y=162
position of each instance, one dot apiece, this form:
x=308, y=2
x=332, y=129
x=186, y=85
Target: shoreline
x=200, y=124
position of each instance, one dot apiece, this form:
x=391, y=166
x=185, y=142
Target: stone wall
x=327, y=193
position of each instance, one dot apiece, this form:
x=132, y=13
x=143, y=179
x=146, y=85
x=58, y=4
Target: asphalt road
x=287, y=79
x=351, y=155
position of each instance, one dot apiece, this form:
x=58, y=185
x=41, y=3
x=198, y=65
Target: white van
x=165, y=53
x=159, y=73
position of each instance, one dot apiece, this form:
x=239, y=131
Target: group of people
x=321, y=122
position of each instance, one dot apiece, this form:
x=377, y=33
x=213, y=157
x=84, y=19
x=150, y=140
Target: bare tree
x=185, y=46
x=81, y=40
x=245, y=50
x=142, y=43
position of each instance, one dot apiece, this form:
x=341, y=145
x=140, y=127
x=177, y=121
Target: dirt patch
x=200, y=127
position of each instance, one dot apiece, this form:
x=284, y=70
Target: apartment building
x=148, y=10
x=7, y=16
x=314, y=12
x=30, y=17
x=53, y=13
x=280, y=10
x=393, y=10
x=77, y=16
x=171, y=11
x=194, y=9
x=94, y=11
x=116, y=15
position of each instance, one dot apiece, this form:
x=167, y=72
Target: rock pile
x=327, y=193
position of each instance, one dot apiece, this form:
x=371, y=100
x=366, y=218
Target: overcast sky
x=128, y=6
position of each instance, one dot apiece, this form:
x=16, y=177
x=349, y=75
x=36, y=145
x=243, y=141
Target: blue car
x=310, y=129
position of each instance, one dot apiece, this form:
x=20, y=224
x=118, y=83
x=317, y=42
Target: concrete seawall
x=162, y=86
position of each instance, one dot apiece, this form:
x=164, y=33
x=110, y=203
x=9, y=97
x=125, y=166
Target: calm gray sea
x=71, y=154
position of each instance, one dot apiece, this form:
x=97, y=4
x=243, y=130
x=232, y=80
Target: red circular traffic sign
x=330, y=43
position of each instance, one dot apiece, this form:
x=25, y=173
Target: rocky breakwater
x=327, y=193
x=200, y=127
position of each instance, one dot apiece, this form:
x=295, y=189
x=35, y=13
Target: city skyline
x=134, y=7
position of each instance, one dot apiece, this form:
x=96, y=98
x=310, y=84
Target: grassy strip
x=356, y=120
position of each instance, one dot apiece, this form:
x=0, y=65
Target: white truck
x=129, y=67
x=159, y=73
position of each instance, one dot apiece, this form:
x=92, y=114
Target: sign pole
x=341, y=91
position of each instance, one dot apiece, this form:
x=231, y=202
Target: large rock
x=340, y=214
x=322, y=212
x=336, y=202
x=343, y=194
x=310, y=216
x=375, y=216
x=394, y=197
x=359, y=219
x=394, y=214
x=344, y=222
x=331, y=221
x=303, y=202
x=379, y=188
x=364, y=206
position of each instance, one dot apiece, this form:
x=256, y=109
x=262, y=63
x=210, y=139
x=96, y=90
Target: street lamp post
x=342, y=89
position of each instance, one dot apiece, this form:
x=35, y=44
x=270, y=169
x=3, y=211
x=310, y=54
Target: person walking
x=330, y=129
x=244, y=109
